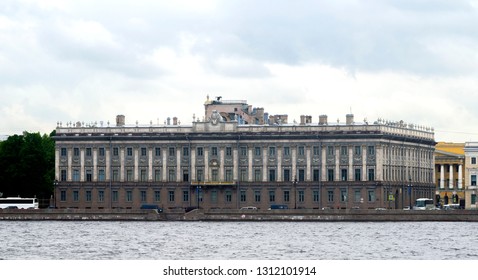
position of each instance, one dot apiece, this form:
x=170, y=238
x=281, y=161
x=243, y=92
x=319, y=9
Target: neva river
x=88, y=240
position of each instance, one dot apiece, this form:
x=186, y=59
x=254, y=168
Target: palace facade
x=223, y=162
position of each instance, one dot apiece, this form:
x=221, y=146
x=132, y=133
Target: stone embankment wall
x=241, y=215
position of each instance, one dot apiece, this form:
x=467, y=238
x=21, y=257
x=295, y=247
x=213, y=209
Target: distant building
x=236, y=156
x=449, y=173
x=471, y=174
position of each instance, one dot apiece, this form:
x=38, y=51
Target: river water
x=100, y=240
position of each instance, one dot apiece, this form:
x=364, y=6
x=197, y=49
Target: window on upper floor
x=473, y=160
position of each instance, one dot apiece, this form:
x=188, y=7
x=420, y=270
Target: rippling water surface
x=238, y=240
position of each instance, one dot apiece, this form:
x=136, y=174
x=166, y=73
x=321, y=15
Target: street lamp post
x=198, y=190
x=55, y=184
x=410, y=192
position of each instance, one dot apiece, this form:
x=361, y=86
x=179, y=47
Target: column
x=165, y=165
x=57, y=164
x=264, y=164
x=82, y=165
x=235, y=160
x=364, y=163
x=136, y=164
x=150, y=164
x=221, y=164
x=351, y=171
x=122, y=171
x=206, y=164
x=323, y=172
x=442, y=176
x=460, y=176
x=279, y=164
x=193, y=164
x=308, y=176
x=337, y=164
x=249, y=167
x=450, y=184
x=294, y=163
x=95, y=165
x=108, y=164
x=70, y=156
x=179, y=175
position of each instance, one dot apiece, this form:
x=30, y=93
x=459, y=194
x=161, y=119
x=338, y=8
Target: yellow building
x=449, y=173
x=471, y=174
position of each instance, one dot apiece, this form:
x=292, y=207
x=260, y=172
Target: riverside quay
x=238, y=156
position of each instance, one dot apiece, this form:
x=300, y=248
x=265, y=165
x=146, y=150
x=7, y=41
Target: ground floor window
x=330, y=196
x=272, y=196
x=286, y=196
x=228, y=196
x=243, y=196
x=371, y=196
x=257, y=196
x=316, y=196
x=63, y=195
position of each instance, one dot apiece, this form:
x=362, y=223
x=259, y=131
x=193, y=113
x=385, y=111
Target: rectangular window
x=76, y=196
x=129, y=175
x=76, y=175
x=286, y=151
x=357, y=196
x=358, y=174
x=129, y=196
x=185, y=196
x=63, y=175
x=286, y=196
x=228, y=151
x=214, y=196
x=76, y=152
x=157, y=196
x=228, y=196
x=89, y=175
x=243, y=196
x=115, y=196
x=473, y=180
x=228, y=175
x=200, y=175
x=257, y=196
x=330, y=150
x=172, y=152
x=343, y=150
x=157, y=152
x=371, y=174
x=316, y=196
x=172, y=175
x=215, y=175
x=257, y=175
x=330, y=175
x=272, y=175
x=129, y=152
x=371, y=150
x=301, y=196
x=473, y=160
x=243, y=151
x=157, y=175
x=101, y=196
x=357, y=150
x=88, y=152
x=101, y=175
x=343, y=174
x=301, y=151
x=316, y=151
x=330, y=196
x=101, y=152
x=257, y=151
x=143, y=196
x=185, y=151
x=473, y=198
x=185, y=176
x=143, y=152
x=272, y=196
x=171, y=196
x=115, y=151
x=63, y=152
x=316, y=174
x=343, y=195
x=272, y=151
x=371, y=196
x=143, y=175
x=214, y=151
x=88, y=195
x=115, y=175
x=286, y=175
x=244, y=175
x=63, y=196
x=200, y=151
x=301, y=175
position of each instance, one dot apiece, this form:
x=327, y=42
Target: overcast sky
x=88, y=61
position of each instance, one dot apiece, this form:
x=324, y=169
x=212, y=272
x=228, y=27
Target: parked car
x=249, y=208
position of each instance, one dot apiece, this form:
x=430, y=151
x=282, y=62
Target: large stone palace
x=239, y=156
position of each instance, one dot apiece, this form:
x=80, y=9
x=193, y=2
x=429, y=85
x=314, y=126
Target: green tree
x=27, y=165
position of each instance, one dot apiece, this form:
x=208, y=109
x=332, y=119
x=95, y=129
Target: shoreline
x=292, y=215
